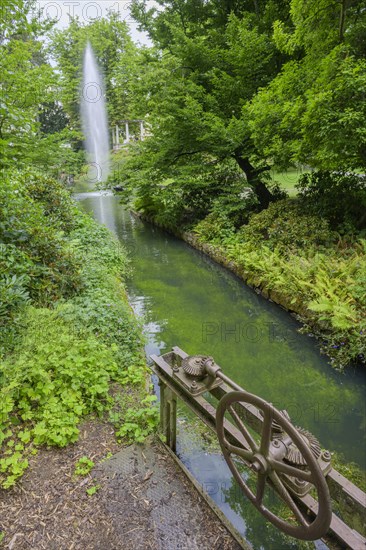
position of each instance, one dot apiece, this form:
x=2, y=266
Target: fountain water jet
x=94, y=118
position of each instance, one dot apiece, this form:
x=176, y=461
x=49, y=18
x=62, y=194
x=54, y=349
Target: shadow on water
x=188, y=300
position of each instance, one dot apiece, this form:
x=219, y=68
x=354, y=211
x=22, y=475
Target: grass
x=288, y=179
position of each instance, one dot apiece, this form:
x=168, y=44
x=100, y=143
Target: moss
x=349, y=470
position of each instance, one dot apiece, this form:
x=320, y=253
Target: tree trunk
x=260, y=189
x=342, y=19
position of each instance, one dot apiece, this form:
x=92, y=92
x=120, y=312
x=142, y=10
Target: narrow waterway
x=190, y=301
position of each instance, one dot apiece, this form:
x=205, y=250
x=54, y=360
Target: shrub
x=339, y=197
x=57, y=203
x=193, y=191
x=52, y=267
x=66, y=357
x=214, y=228
x=284, y=225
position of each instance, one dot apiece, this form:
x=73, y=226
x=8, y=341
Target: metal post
x=168, y=415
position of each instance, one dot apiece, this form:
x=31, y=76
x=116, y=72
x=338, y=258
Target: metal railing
x=285, y=459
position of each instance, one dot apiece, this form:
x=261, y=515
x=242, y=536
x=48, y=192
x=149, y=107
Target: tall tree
x=214, y=56
x=27, y=83
x=314, y=111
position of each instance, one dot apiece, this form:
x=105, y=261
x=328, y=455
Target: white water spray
x=94, y=118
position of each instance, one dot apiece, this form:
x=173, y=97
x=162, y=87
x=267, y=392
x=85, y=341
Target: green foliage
x=54, y=379
x=350, y=470
x=214, y=228
x=37, y=259
x=63, y=360
x=339, y=197
x=116, y=55
x=285, y=226
x=193, y=94
x=92, y=490
x=58, y=207
x=313, y=111
x=28, y=83
x=297, y=259
x=138, y=423
x=83, y=466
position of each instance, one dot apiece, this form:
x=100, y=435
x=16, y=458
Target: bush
x=214, y=228
x=194, y=191
x=57, y=203
x=37, y=259
x=339, y=197
x=283, y=225
x=66, y=357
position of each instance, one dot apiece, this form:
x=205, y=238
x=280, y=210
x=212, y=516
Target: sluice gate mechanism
x=280, y=468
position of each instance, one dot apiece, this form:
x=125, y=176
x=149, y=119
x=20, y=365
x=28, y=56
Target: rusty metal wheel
x=260, y=457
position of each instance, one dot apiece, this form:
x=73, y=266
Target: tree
x=314, y=111
x=115, y=53
x=27, y=81
x=213, y=57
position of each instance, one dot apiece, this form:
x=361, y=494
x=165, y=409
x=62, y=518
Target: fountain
x=94, y=118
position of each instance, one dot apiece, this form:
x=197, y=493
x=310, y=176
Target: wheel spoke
x=240, y=451
x=279, y=466
x=287, y=498
x=252, y=444
x=266, y=432
x=261, y=484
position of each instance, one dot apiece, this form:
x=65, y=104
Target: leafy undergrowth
x=62, y=351
x=350, y=470
x=313, y=271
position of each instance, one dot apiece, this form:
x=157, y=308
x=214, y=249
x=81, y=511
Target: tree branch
x=182, y=154
x=342, y=19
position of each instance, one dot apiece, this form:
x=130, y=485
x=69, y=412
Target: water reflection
x=188, y=300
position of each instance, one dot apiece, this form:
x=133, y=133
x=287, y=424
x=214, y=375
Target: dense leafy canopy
x=314, y=110
x=117, y=57
x=29, y=85
x=211, y=60
x=261, y=84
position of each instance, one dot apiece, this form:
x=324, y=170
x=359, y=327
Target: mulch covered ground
x=50, y=509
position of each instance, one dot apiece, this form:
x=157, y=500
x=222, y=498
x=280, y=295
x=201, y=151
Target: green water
x=189, y=301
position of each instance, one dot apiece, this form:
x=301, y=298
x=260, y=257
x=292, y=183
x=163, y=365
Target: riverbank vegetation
x=295, y=258
x=68, y=334
x=234, y=92
x=230, y=92
x=69, y=343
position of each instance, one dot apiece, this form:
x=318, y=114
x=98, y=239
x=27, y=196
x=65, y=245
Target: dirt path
x=143, y=501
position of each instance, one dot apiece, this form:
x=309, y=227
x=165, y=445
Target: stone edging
x=217, y=254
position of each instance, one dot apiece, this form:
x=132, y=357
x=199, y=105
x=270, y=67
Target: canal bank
x=186, y=299
x=135, y=498
x=266, y=279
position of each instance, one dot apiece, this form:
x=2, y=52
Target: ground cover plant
x=68, y=333
x=307, y=259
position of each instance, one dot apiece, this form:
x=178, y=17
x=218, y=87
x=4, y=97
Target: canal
x=188, y=300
